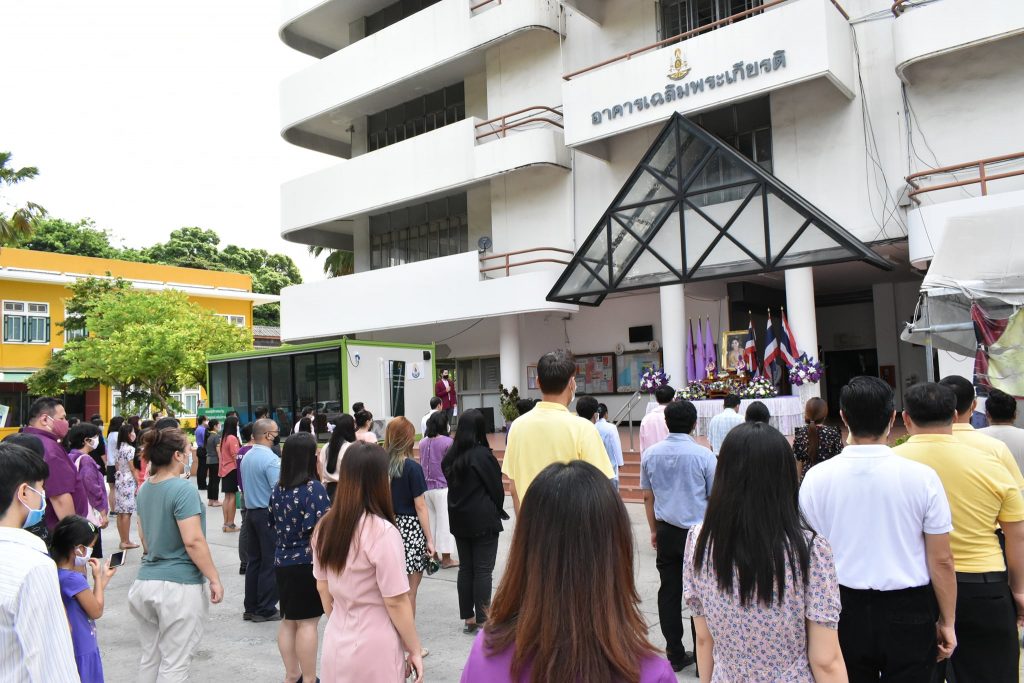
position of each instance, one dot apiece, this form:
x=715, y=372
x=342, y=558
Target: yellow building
x=33, y=292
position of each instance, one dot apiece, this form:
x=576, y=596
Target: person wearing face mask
x=81, y=442
x=30, y=602
x=48, y=420
x=169, y=598
x=125, y=482
x=550, y=433
x=72, y=546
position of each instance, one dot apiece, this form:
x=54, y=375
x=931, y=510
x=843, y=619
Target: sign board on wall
x=4, y=410
x=215, y=413
x=789, y=44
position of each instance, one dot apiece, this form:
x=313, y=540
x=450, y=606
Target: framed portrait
x=531, y=376
x=731, y=349
x=630, y=367
x=595, y=373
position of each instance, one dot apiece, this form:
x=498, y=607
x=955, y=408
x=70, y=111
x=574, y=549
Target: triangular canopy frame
x=724, y=207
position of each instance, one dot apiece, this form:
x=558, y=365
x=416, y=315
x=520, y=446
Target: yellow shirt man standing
x=965, y=433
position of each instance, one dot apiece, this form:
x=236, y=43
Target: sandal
x=214, y=504
x=128, y=546
x=230, y=528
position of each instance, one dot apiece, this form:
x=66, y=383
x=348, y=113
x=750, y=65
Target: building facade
x=34, y=291
x=483, y=145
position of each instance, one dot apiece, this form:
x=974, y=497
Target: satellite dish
x=484, y=244
x=620, y=349
x=654, y=346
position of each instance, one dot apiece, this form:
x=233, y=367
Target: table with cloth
x=787, y=412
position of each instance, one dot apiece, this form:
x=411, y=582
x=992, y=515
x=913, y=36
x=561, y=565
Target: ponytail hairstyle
x=71, y=532
x=160, y=445
x=344, y=432
x=815, y=413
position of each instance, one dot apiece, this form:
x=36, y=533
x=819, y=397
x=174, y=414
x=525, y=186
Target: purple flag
x=698, y=353
x=690, y=371
x=709, y=346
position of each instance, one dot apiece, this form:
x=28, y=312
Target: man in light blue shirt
x=676, y=476
x=724, y=422
x=261, y=471
x=588, y=408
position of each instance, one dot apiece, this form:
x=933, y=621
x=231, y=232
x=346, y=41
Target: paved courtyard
x=236, y=650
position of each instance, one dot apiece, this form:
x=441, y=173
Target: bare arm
x=92, y=601
x=199, y=552
x=1014, y=533
x=326, y=599
x=824, y=655
x=943, y=574
x=515, y=496
x=705, y=649
x=400, y=611
x=63, y=505
x=651, y=521
x=424, y=517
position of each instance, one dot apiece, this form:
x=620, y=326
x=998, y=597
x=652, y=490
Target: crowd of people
x=828, y=559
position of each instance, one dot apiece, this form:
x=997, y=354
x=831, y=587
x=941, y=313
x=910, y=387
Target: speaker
x=426, y=355
x=641, y=334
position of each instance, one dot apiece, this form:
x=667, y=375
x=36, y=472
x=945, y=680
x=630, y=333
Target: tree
x=55, y=378
x=190, y=247
x=61, y=237
x=22, y=220
x=339, y=262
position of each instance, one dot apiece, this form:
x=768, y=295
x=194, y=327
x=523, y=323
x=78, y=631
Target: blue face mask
x=35, y=516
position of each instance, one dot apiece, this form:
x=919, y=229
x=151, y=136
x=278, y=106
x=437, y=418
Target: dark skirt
x=297, y=592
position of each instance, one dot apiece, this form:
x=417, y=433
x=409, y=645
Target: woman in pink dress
x=359, y=565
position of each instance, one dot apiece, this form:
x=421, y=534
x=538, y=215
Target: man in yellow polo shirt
x=550, y=433
x=981, y=494
x=965, y=433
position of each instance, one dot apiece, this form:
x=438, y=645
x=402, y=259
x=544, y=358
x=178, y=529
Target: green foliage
x=338, y=261
x=55, y=378
x=85, y=295
x=902, y=440
x=508, y=399
x=24, y=219
x=61, y=237
x=189, y=248
x=267, y=314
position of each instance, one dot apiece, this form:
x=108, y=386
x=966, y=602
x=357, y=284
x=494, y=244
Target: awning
x=15, y=376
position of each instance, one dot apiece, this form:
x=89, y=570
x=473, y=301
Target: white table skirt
x=787, y=412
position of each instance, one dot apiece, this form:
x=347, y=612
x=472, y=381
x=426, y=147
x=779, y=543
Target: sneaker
x=683, y=662
x=259, y=618
x=246, y=616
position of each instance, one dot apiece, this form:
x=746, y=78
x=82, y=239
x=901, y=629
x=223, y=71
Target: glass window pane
x=490, y=373
x=328, y=388
x=218, y=385
x=259, y=377
x=469, y=375
x=240, y=389
x=282, y=408
x=305, y=382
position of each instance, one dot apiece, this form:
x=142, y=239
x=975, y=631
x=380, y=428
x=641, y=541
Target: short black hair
x=44, y=405
x=664, y=394
x=758, y=412
x=168, y=423
x=261, y=412
x=437, y=425
x=435, y=402
x=867, y=404
x=962, y=389
x=930, y=404
x=731, y=401
x=586, y=407
x=1001, y=406
x=200, y=420
x=554, y=370
x=525, y=405
x=79, y=433
x=247, y=432
x=71, y=532
x=681, y=417
x=18, y=465
x=29, y=441
x=214, y=423
x=308, y=411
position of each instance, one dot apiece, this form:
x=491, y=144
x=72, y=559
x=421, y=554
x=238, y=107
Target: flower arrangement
x=741, y=366
x=508, y=399
x=653, y=379
x=694, y=391
x=759, y=387
x=806, y=370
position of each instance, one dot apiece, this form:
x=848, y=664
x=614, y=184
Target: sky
x=150, y=115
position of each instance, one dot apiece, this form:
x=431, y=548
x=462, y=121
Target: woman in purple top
x=567, y=607
x=761, y=586
x=81, y=441
x=433, y=446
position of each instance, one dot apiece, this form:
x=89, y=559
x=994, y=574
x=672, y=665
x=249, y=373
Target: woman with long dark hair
x=296, y=505
x=359, y=565
x=567, y=608
x=476, y=499
x=343, y=436
x=815, y=442
x=111, y=449
x=432, y=447
x=228, y=471
x=761, y=586
x=125, y=482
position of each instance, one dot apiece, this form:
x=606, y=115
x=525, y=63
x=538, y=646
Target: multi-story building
x=34, y=290
x=506, y=165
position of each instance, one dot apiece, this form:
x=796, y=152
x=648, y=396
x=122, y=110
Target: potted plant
x=508, y=399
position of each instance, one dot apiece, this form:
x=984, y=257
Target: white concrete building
x=482, y=144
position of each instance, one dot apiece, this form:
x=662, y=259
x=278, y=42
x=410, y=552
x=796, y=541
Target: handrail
x=690, y=34
x=984, y=178
x=507, y=256
x=473, y=8
x=901, y=6
x=627, y=411
x=506, y=124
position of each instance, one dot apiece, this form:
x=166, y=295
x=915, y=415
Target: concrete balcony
x=438, y=46
x=944, y=27
x=785, y=44
x=321, y=205
x=319, y=28
x=398, y=298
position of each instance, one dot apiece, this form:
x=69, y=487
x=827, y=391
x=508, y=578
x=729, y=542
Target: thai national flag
x=750, y=349
x=771, y=348
x=789, y=350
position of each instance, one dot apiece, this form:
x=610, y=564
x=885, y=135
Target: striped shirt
x=35, y=638
x=720, y=425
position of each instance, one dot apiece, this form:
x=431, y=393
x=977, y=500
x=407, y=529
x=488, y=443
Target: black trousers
x=669, y=559
x=332, y=488
x=201, y=470
x=212, y=482
x=889, y=636
x=987, y=650
x=476, y=567
x=260, y=582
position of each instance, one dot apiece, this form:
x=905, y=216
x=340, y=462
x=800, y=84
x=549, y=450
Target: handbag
x=92, y=514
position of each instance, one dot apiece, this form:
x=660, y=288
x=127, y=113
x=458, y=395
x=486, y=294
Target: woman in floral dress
x=125, y=483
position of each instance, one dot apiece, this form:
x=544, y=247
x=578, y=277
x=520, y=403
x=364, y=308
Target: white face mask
x=83, y=559
x=93, y=443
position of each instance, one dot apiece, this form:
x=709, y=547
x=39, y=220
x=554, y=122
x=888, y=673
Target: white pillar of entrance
x=508, y=351
x=802, y=317
x=673, y=334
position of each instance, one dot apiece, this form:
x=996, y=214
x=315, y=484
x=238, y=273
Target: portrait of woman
x=732, y=348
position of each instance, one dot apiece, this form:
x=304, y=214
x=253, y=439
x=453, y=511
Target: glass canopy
x=696, y=209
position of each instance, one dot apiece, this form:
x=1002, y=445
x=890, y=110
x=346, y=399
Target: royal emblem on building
x=679, y=68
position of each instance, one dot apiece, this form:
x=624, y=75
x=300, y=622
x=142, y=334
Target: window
x=747, y=128
x=189, y=400
x=74, y=327
x=681, y=16
x=26, y=322
x=415, y=117
x=417, y=233
x=238, y=320
x=394, y=13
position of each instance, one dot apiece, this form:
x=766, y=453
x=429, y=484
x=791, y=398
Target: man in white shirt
x=34, y=636
x=1001, y=409
x=435, y=406
x=653, y=428
x=888, y=522
x=724, y=422
x=588, y=408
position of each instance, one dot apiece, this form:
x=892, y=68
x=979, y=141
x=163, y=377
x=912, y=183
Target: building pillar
x=508, y=351
x=802, y=317
x=673, y=334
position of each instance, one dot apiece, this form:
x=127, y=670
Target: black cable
x=458, y=333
